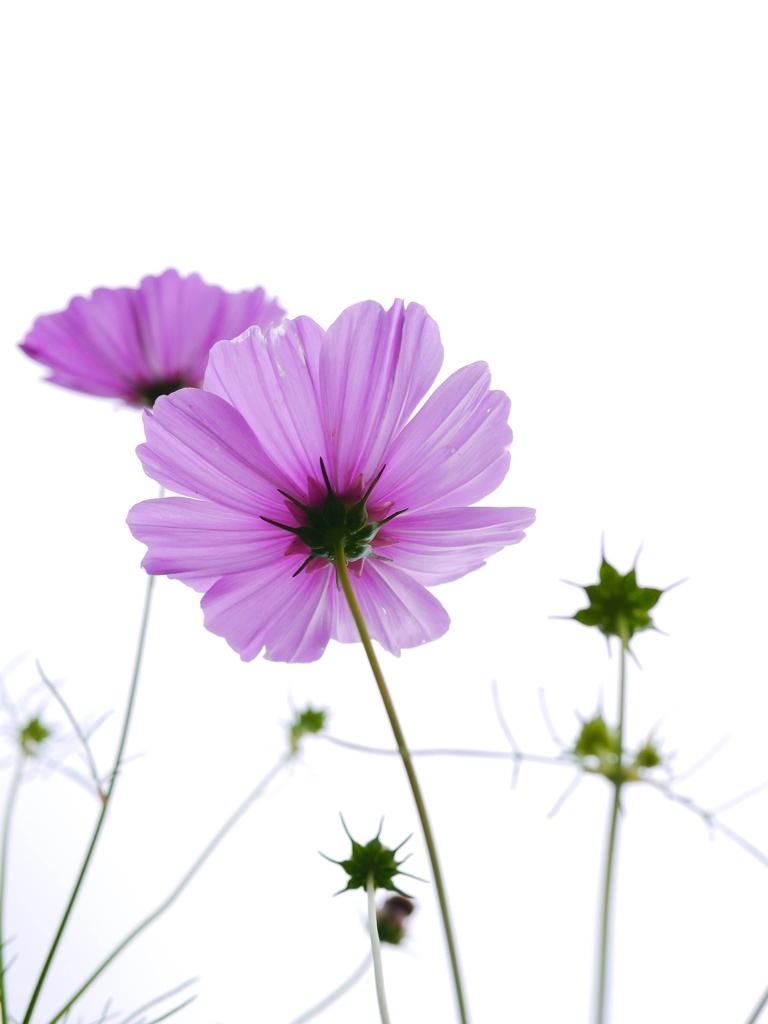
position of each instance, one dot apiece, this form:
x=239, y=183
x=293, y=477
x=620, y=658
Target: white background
x=577, y=193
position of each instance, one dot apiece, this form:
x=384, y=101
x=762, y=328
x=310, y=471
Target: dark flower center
x=147, y=394
x=336, y=526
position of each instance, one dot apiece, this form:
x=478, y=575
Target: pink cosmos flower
x=139, y=343
x=304, y=440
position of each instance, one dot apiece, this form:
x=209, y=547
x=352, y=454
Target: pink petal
x=200, y=446
x=199, y=581
x=290, y=618
x=187, y=538
x=92, y=345
x=454, y=450
x=375, y=367
x=442, y=545
x=271, y=379
x=398, y=611
x=178, y=319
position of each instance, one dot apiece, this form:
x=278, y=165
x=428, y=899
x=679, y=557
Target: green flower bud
x=596, y=739
x=307, y=722
x=32, y=736
x=373, y=861
x=618, y=606
x=648, y=756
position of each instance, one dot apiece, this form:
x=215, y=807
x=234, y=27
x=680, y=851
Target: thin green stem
x=622, y=695
x=378, y=970
x=181, y=886
x=602, y=983
x=337, y=993
x=13, y=792
x=357, y=615
x=106, y=801
x=610, y=854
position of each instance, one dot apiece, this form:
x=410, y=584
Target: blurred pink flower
x=139, y=343
x=302, y=437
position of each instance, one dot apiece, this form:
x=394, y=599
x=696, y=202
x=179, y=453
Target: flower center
x=336, y=525
x=147, y=394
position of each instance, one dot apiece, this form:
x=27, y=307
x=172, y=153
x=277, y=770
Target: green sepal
x=617, y=605
x=308, y=722
x=374, y=860
x=335, y=525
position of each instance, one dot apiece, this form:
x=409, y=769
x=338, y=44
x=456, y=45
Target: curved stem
x=337, y=993
x=491, y=755
x=378, y=970
x=106, y=800
x=610, y=854
x=7, y=817
x=187, y=878
x=357, y=615
x=158, y=999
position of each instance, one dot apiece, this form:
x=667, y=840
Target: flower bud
x=618, y=606
x=391, y=917
x=309, y=721
x=372, y=861
x=32, y=736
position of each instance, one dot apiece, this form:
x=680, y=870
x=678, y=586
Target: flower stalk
x=106, y=800
x=757, y=1012
x=354, y=607
x=378, y=970
x=337, y=993
x=7, y=818
x=225, y=829
x=618, y=780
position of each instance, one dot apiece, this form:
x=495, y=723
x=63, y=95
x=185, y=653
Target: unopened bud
x=391, y=917
x=32, y=736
